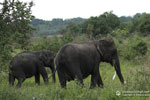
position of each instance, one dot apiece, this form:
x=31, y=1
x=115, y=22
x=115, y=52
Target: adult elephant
x=28, y=64
x=80, y=60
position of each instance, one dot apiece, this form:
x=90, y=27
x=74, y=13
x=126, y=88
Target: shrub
x=120, y=33
x=132, y=48
x=66, y=38
x=52, y=43
x=138, y=76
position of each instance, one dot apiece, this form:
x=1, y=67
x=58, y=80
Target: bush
x=132, y=48
x=142, y=24
x=120, y=33
x=66, y=38
x=52, y=43
x=138, y=76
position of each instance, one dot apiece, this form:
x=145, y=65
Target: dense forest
x=20, y=31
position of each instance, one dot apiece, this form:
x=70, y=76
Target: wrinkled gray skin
x=28, y=64
x=80, y=60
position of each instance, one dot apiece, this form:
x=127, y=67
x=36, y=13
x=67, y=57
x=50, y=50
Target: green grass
x=131, y=72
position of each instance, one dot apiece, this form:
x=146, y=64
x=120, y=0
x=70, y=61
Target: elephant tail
x=55, y=70
x=58, y=62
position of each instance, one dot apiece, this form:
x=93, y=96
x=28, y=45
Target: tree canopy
x=15, y=28
x=102, y=24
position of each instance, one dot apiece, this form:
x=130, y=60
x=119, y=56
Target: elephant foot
x=18, y=86
x=101, y=86
x=46, y=83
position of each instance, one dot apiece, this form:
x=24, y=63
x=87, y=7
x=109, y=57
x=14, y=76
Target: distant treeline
x=53, y=27
x=56, y=25
x=130, y=18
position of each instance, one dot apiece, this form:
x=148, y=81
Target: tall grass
x=136, y=76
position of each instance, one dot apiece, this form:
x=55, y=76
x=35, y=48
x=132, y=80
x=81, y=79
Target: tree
x=15, y=28
x=125, y=19
x=138, y=15
x=144, y=25
x=141, y=23
x=112, y=20
x=102, y=24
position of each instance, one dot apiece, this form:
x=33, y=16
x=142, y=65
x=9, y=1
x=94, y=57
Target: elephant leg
x=44, y=75
x=76, y=72
x=99, y=81
x=37, y=79
x=80, y=78
x=20, y=81
x=11, y=79
x=93, y=81
x=62, y=79
x=96, y=78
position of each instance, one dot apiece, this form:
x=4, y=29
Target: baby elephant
x=28, y=64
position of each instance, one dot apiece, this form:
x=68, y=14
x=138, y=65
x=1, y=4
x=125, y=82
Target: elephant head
x=48, y=60
x=108, y=53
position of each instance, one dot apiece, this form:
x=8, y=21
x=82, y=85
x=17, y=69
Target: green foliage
x=125, y=19
x=67, y=38
x=52, y=43
x=142, y=78
x=127, y=27
x=5, y=56
x=55, y=26
x=73, y=29
x=138, y=15
x=15, y=17
x=131, y=72
x=120, y=33
x=103, y=24
x=48, y=43
x=133, y=48
x=142, y=24
x=138, y=76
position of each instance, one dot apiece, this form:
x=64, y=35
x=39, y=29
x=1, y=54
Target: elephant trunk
x=118, y=70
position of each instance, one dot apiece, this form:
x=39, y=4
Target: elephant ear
x=98, y=47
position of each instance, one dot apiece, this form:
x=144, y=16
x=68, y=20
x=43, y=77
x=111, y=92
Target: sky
x=49, y=9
